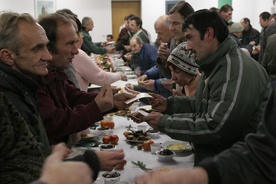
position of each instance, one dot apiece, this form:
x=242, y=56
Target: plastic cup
x=155, y=147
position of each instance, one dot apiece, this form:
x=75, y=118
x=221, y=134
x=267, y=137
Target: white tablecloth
x=132, y=154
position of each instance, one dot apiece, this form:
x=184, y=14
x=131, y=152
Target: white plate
x=188, y=147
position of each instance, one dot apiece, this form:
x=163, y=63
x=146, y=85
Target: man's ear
x=7, y=56
x=209, y=33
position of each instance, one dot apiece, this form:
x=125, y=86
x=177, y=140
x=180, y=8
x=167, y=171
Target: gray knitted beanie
x=184, y=59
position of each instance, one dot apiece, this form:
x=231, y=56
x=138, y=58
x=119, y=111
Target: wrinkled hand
x=158, y=103
x=128, y=56
x=104, y=99
x=184, y=176
x=148, y=84
x=55, y=171
x=120, y=98
x=136, y=117
x=109, y=159
x=152, y=119
x=163, y=52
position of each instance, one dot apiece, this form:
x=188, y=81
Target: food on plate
x=176, y=147
x=123, y=112
x=107, y=146
x=136, y=136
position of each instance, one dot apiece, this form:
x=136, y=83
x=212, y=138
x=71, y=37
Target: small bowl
x=110, y=180
x=165, y=158
x=107, y=147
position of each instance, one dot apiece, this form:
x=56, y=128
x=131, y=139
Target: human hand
x=163, y=51
x=67, y=150
x=136, y=117
x=109, y=159
x=152, y=119
x=138, y=73
x=196, y=175
x=148, y=84
x=158, y=103
x=55, y=171
x=104, y=99
x=128, y=56
x=168, y=84
x=104, y=44
x=123, y=76
x=120, y=98
x=110, y=49
x=142, y=78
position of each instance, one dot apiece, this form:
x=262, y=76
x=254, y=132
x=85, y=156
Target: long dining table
x=131, y=171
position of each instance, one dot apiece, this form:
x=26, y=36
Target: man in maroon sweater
x=63, y=107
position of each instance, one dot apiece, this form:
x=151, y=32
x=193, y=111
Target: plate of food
x=136, y=137
x=178, y=147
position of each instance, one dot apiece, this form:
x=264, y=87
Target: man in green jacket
x=231, y=93
x=88, y=45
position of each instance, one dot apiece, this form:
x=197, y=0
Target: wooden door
x=120, y=9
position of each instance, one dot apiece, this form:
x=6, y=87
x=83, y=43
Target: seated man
x=63, y=107
x=24, y=144
x=222, y=112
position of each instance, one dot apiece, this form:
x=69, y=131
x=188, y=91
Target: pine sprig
x=141, y=165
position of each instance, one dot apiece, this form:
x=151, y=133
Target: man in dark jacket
x=24, y=144
x=248, y=162
x=250, y=37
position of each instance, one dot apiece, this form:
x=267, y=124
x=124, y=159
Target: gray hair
x=138, y=40
x=164, y=19
x=9, y=29
x=85, y=21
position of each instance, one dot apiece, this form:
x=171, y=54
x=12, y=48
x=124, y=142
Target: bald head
x=161, y=26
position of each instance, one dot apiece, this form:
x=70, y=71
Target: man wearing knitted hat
x=184, y=70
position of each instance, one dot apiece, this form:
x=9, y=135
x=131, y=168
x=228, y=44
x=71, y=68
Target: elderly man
x=63, y=107
x=222, y=112
x=24, y=144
